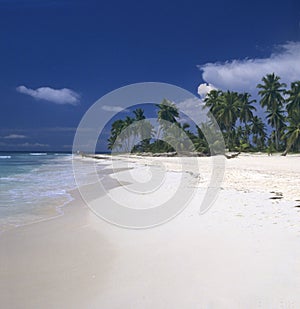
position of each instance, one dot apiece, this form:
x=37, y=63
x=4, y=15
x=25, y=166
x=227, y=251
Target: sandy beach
x=244, y=252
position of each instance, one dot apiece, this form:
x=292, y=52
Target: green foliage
x=292, y=134
x=272, y=99
x=293, y=100
x=229, y=108
x=234, y=112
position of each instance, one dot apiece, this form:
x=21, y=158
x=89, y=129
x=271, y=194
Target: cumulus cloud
x=204, y=89
x=14, y=136
x=244, y=75
x=188, y=106
x=114, y=108
x=194, y=109
x=58, y=96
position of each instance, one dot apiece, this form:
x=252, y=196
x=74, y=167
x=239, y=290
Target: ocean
x=33, y=186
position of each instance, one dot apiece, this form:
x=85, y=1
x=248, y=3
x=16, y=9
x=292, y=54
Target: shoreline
x=51, y=212
x=244, y=252
x=228, y=183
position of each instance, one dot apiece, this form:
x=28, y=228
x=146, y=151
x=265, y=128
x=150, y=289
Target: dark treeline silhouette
x=235, y=113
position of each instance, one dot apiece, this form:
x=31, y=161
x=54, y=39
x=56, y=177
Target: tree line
x=236, y=114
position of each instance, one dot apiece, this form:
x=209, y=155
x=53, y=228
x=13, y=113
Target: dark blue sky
x=94, y=47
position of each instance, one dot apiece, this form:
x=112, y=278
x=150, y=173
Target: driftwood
x=231, y=156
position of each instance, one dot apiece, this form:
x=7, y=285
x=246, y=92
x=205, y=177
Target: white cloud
x=32, y=145
x=58, y=96
x=15, y=136
x=114, y=108
x=189, y=105
x=194, y=109
x=244, y=75
x=23, y=145
x=204, y=89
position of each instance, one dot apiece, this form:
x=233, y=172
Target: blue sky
x=59, y=57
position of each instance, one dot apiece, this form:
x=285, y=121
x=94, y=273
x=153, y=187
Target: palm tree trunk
x=228, y=138
x=158, y=133
x=276, y=138
x=288, y=148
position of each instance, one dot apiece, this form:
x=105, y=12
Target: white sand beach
x=244, y=252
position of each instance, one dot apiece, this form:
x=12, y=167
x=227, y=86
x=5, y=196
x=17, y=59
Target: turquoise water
x=31, y=184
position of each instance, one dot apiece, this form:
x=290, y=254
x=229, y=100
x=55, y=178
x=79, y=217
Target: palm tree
x=138, y=122
x=168, y=111
x=246, y=107
x=111, y=143
x=208, y=140
x=116, y=129
x=178, y=137
x=143, y=129
x=167, y=114
x=271, y=98
x=121, y=134
x=271, y=91
x=293, y=132
x=212, y=100
x=276, y=119
x=127, y=134
x=257, y=126
x=247, y=133
x=139, y=114
x=293, y=101
x=228, y=112
x=258, y=129
x=199, y=141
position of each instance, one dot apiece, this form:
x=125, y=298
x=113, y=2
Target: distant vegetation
x=235, y=113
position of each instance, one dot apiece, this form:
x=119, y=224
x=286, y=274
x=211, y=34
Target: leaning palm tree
x=111, y=143
x=271, y=93
x=293, y=100
x=116, y=129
